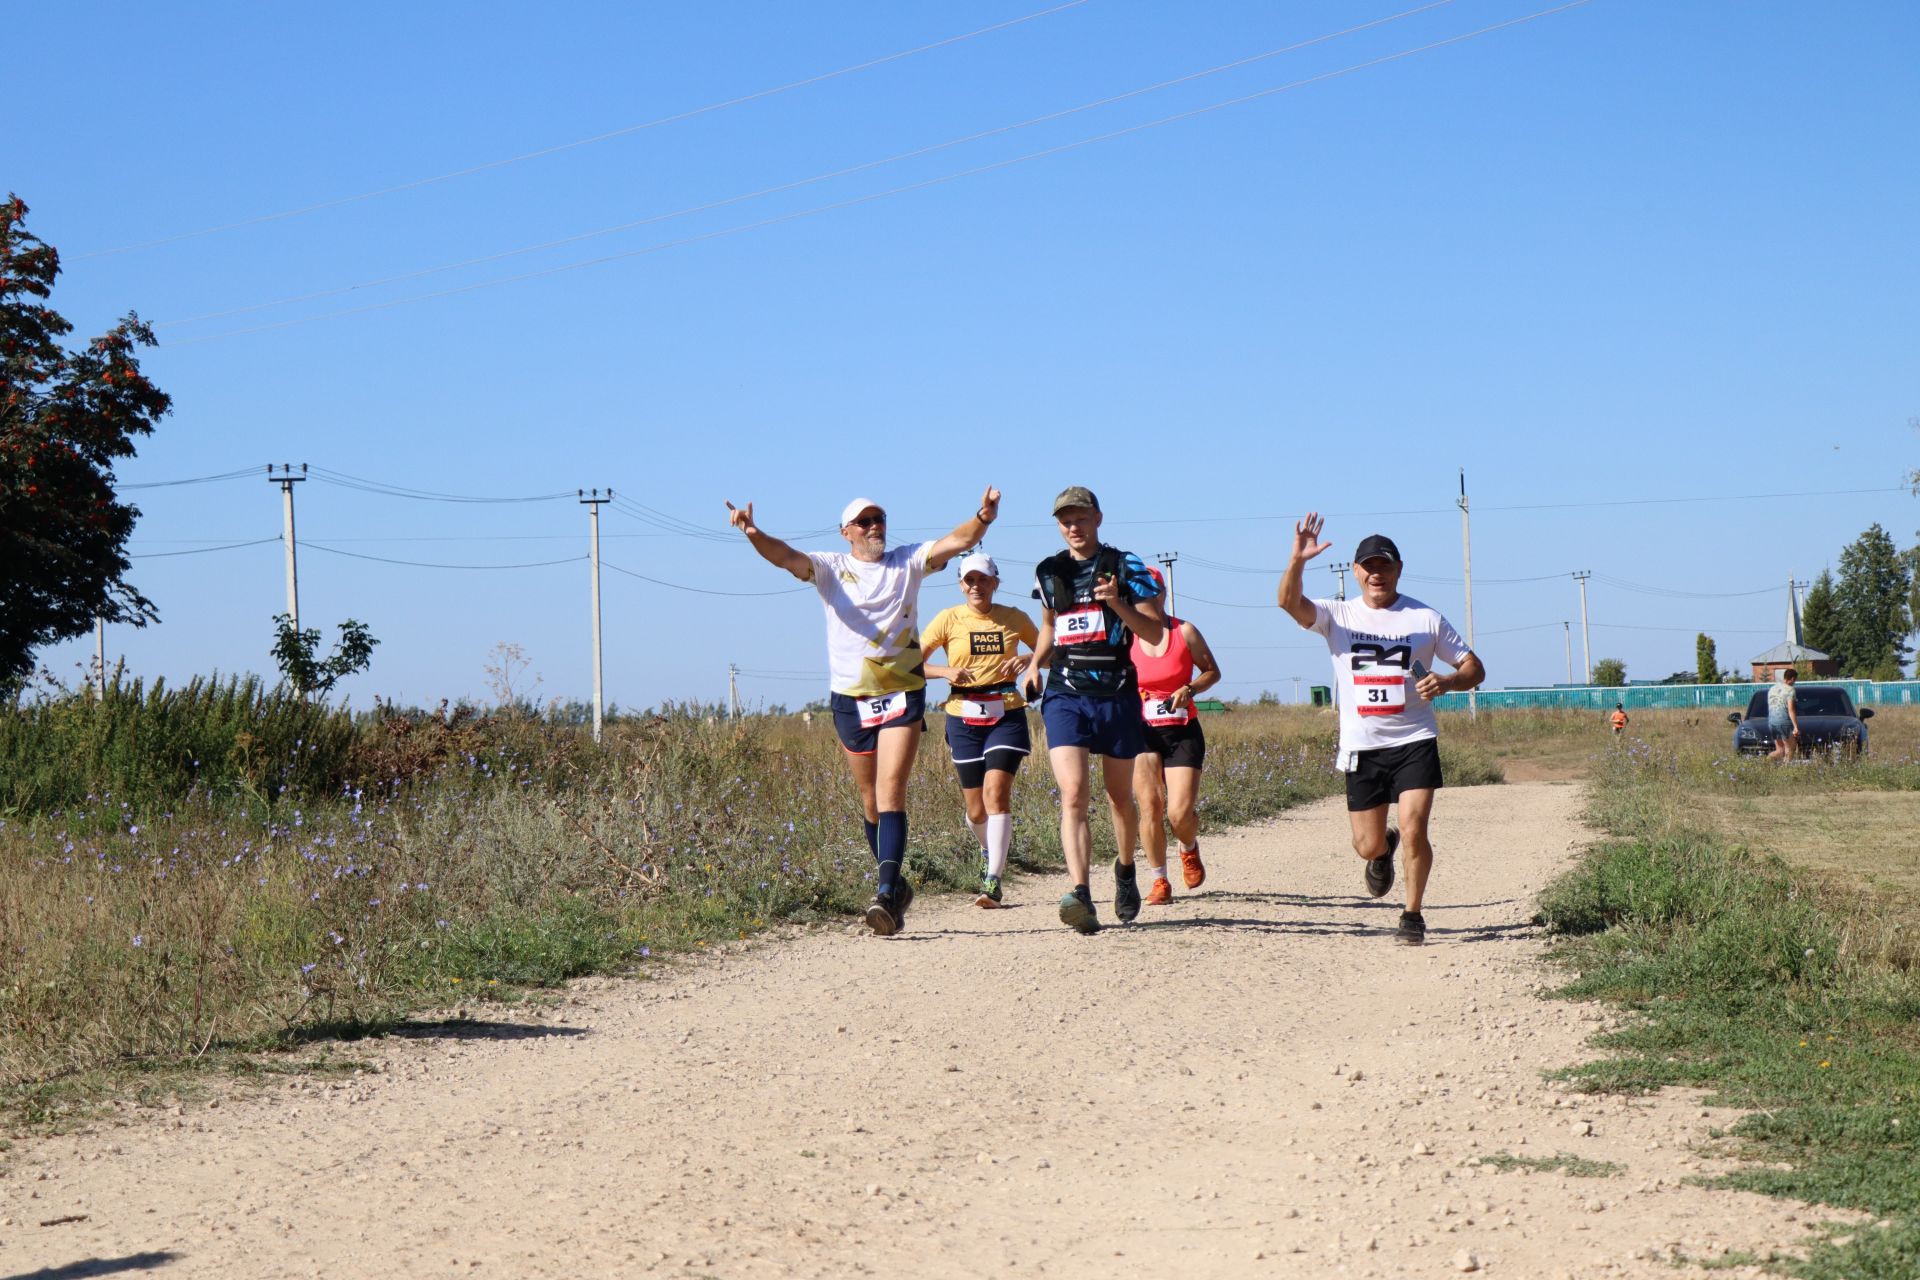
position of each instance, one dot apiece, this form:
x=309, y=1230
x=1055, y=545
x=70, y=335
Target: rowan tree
x=65, y=417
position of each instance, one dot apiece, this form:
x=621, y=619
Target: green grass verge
x=1747, y=977
x=1571, y=1165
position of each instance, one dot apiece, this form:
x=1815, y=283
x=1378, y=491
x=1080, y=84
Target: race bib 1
x=1162, y=713
x=1086, y=624
x=982, y=710
x=1379, y=695
x=883, y=709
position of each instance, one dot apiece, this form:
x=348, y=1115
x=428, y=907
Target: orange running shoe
x=1160, y=894
x=1192, y=870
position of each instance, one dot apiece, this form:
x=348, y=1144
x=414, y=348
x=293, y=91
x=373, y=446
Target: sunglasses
x=868, y=522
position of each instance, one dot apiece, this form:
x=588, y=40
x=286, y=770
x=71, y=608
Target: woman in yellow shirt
x=986, y=718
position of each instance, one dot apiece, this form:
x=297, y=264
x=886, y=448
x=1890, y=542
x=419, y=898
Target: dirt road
x=1254, y=1081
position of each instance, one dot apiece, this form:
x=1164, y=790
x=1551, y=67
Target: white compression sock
x=979, y=830
x=999, y=839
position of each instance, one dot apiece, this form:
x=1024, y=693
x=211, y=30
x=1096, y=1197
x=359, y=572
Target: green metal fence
x=1671, y=696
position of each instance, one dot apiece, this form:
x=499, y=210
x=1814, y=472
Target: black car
x=1828, y=722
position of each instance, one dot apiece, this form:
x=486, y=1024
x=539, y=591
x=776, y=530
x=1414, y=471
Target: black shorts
x=1379, y=777
x=1179, y=746
x=977, y=748
x=864, y=741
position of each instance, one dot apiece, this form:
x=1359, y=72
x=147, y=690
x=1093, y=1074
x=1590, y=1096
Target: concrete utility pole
x=1566, y=634
x=1466, y=552
x=1167, y=559
x=286, y=480
x=99, y=659
x=733, y=691
x=1586, y=637
x=1340, y=568
x=591, y=500
x=1296, y=691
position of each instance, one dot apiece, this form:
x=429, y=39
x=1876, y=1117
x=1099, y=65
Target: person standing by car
x=1783, y=718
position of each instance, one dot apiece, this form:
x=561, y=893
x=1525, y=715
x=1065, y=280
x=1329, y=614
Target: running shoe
x=1161, y=892
x=1412, y=930
x=1380, y=869
x=1126, y=894
x=902, y=899
x=989, y=895
x=1192, y=870
x=881, y=918
x=1078, y=914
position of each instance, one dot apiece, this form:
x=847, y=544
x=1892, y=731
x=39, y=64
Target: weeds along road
x=1254, y=1081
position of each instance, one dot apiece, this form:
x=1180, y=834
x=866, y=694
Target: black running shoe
x=1412, y=930
x=902, y=899
x=881, y=918
x=1380, y=869
x=1126, y=894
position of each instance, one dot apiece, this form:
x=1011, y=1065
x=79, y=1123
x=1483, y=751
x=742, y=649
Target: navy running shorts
x=863, y=739
x=1110, y=727
x=977, y=748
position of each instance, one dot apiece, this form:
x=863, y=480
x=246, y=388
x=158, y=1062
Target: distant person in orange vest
x=1619, y=718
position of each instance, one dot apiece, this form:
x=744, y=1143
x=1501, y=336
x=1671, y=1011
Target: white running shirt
x=1373, y=655
x=873, y=633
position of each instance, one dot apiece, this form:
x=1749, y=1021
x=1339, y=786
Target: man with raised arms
x=1094, y=599
x=1382, y=646
x=871, y=595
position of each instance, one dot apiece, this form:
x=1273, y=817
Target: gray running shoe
x=1077, y=915
x=1412, y=930
x=1126, y=894
x=1380, y=869
x=989, y=895
x=881, y=918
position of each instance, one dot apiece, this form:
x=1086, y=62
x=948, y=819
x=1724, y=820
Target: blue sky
x=1627, y=251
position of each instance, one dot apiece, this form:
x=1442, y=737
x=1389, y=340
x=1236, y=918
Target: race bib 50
x=884, y=709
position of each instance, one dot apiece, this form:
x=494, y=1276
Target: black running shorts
x=1179, y=746
x=1379, y=777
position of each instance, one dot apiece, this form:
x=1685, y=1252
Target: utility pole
x=1586, y=636
x=1340, y=568
x=286, y=480
x=1167, y=559
x=591, y=500
x=1566, y=634
x=99, y=659
x=1296, y=691
x=733, y=691
x=1466, y=552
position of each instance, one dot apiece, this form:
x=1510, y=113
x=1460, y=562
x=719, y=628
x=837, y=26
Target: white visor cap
x=979, y=562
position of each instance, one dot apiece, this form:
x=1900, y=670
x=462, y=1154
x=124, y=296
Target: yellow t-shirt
x=978, y=645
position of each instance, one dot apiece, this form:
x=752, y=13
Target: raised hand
x=989, y=505
x=741, y=518
x=1306, y=537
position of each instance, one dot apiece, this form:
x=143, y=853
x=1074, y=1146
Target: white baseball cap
x=855, y=507
x=979, y=562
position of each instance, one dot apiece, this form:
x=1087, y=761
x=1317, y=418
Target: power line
x=429, y=564
x=923, y=184
x=342, y=480
x=608, y=564
x=781, y=188
x=581, y=142
x=243, y=473
x=201, y=551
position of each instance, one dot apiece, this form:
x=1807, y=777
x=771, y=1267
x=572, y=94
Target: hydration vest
x=1111, y=658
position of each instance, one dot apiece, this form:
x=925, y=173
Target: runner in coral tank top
x=1166, y=776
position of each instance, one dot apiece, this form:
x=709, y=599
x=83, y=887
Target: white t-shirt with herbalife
x=873, y=627
x=1373, y=655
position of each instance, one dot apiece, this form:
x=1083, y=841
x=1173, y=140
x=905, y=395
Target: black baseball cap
x=1376, y=544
